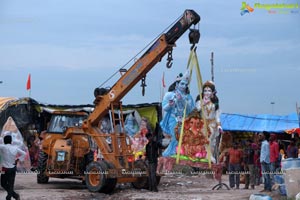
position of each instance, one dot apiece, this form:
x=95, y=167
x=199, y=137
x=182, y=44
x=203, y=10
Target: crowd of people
x=257, y=160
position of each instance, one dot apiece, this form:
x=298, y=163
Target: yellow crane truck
x=66, y=147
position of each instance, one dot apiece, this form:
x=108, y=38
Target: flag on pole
x=28, y=85
x=163, y=80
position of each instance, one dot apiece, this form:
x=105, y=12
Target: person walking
x=152, y=148
x=265, y=161
x=10, y=156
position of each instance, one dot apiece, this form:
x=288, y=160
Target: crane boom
x=142, y=66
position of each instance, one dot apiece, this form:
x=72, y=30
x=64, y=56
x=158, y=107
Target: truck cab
x=61, y=120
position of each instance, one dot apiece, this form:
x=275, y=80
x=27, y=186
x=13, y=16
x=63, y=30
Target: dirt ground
x=172, y=186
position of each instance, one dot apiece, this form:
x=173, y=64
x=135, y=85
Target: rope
x=181, y=135
x=184, y=112
x=193, y=62
x=200, y=85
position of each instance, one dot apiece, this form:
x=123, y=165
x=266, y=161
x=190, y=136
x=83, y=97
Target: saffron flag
x=28, y=86
x=163, y=80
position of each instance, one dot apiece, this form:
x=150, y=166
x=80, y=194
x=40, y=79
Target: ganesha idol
x=194, y=138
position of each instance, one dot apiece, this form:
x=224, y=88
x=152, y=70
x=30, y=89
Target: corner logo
x=272, y=8
x=246, y=8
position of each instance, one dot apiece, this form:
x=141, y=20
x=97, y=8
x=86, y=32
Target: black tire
x=142, y=182
x=42, y=164
x=95, y=177
x=110, y=182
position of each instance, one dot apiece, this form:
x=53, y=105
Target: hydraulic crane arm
x=141, y=67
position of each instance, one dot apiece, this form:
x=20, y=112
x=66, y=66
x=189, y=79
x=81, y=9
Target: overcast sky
x=71, y=47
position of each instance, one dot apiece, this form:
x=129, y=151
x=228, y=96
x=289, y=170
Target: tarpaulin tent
x=259, y=123
x=22, y=110
x=26, y=111
x=152, y=111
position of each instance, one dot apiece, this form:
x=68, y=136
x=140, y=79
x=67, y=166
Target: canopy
x=259, y=123
x=4, y=101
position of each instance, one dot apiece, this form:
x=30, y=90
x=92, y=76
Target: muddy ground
x=172, y=186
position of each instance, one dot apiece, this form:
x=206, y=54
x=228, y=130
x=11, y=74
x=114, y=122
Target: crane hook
x=143, y=85
x=169, y=59
x=169, y=64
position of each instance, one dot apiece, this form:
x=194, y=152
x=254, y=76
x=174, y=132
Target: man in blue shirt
x=265, y=161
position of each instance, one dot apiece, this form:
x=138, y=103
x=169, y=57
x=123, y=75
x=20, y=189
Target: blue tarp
x=259, y=123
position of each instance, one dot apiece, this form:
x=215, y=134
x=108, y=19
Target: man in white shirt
x=10, y=155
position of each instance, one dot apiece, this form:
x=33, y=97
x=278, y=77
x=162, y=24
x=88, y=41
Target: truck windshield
x=58, y=122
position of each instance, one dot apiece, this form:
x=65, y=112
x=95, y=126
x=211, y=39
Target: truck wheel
x=95, y=176
x=42, y=164
x=142, y=182
x=111, y=182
